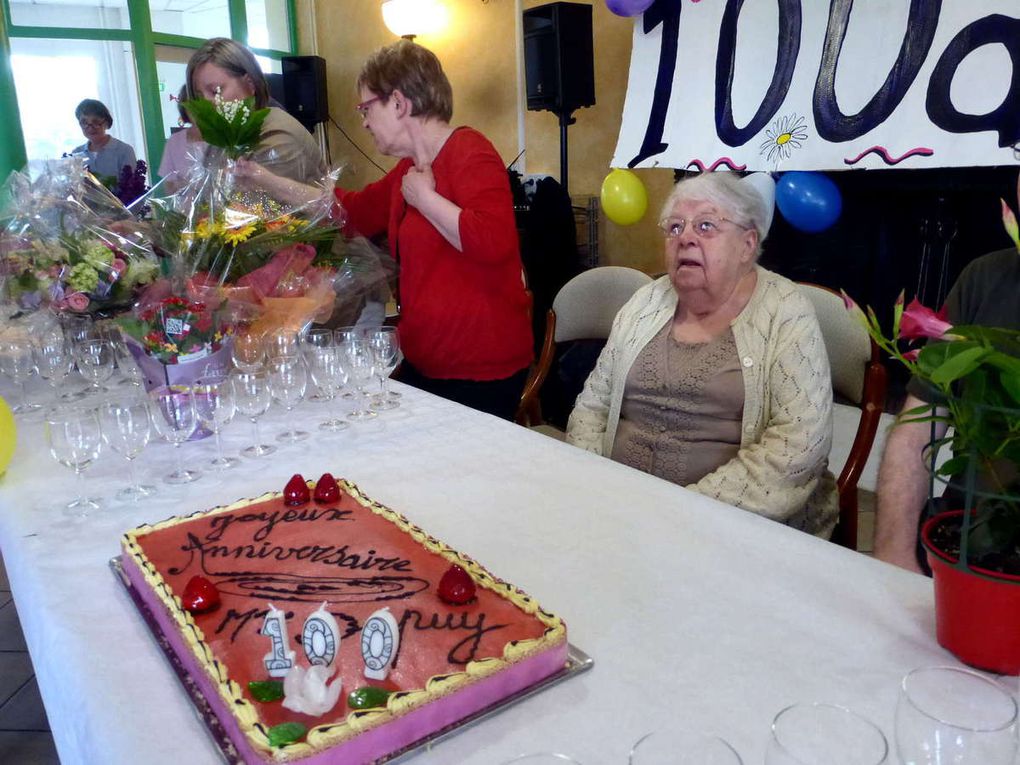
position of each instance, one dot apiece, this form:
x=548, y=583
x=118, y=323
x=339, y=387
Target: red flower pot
x=977, y=612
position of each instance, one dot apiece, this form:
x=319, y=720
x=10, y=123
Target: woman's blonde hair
x=414, y=71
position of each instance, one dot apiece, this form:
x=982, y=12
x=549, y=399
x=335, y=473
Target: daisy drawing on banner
x=786, y=134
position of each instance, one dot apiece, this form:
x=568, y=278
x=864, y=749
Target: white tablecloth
x=695, y=612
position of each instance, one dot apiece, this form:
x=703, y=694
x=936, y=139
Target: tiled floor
x=24, y=732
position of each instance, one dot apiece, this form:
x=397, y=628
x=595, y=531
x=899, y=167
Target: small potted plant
x=974, y=549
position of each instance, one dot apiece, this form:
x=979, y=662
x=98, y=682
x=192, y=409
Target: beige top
x=780, y=470
x=682, y=408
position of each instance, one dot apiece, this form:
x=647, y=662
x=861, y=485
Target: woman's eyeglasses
x=362, y=108
x=705, y=226
x=93, y=123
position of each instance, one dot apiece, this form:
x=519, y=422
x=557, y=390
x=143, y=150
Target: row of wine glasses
x=54, y=360
x=944, y=716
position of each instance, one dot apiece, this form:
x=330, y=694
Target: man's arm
x=903, y=484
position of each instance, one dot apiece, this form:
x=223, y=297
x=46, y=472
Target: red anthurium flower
x=920, y=322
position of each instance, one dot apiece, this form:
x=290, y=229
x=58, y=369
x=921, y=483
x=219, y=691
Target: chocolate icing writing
x=327, y=555
x=235, y=621
x=220, y=523
x=465, y=650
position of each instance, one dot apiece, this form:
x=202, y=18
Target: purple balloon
x=628, y=7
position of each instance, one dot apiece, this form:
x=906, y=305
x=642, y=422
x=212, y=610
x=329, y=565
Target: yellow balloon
x=8, y=435
x=624, y=198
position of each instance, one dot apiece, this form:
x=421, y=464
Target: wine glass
x=130, y=372
x=329, y=375
x=126, y=429
x=74, y=437
x=77, y=327
x=176, y=420
x=54, y=363
x=679, y=746
x=281, y=342
x=385, y=347
x=287, y=382
x=954, y=715
x=17, y=363
x=357, y=359
x=214, y=404
x=248, y=351
x=252, y=398
x=805, y=734
x=95, y=362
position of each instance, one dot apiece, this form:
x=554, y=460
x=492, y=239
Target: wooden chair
x=859, y=378
x=583, y=309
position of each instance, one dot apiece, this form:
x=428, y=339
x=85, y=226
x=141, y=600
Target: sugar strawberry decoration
x=200, y=595
x=296, y=491
x=456, y=587
x=327, y=490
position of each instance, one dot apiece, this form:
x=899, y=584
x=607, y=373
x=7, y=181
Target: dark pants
x=497, y=397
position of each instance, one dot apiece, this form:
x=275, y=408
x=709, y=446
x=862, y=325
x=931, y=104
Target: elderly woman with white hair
x=715, y=376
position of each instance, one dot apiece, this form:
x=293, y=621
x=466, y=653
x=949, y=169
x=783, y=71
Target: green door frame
x=143, y=40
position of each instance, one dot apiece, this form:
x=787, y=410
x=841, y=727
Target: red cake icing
x=358, y=557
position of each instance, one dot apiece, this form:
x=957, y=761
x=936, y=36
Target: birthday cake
x=326, y=628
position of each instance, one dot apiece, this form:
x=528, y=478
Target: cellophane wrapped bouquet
x=256, y=263
x=69, y=244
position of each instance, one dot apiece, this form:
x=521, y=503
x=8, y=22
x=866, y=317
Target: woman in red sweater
x=447, y=211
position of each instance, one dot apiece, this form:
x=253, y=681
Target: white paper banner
x=816, y=85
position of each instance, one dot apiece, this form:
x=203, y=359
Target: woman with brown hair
x=227, y=68
x=447, y=211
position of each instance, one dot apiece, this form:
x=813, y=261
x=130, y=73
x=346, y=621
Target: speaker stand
x=566, y=119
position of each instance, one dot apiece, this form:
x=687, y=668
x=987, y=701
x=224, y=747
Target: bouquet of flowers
x=67, y=242
x=228, y=242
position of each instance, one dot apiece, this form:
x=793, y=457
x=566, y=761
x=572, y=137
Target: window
x=85, y=69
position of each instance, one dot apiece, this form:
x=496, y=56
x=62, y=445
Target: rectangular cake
x=350, y=557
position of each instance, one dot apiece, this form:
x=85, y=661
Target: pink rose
x=920, y=322
x=77, y=301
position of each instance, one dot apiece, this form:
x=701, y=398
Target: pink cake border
x=369, y=746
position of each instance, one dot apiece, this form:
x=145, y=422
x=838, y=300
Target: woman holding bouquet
x=447, y=211
x=228, y=68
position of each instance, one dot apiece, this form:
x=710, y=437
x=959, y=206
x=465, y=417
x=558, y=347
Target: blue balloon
x=811, y=202
x=628, y=7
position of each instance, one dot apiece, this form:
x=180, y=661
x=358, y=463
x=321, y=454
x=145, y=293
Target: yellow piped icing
x=331, y=734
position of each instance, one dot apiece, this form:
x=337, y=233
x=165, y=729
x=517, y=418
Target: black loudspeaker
x=276, y=90
x=304, y=88
x=559, y=64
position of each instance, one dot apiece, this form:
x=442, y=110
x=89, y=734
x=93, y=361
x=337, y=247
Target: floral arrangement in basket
x=68, y=243
x=176, y=330
x=974, y=373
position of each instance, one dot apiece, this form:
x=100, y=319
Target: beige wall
x=478, y=51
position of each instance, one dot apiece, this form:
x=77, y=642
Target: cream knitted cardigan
x=780, y=470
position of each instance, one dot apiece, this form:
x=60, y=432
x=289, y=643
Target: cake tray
x=577, y=662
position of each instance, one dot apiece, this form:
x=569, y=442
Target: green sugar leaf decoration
x=266, y=690
x=286, y=733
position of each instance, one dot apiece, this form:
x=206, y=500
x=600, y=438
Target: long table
x=695, y=612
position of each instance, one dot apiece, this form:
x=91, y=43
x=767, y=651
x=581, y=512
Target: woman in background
x=226, y=67
x=105, y=155
x=715, y=376
x=184, y=149
x=447, y=211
